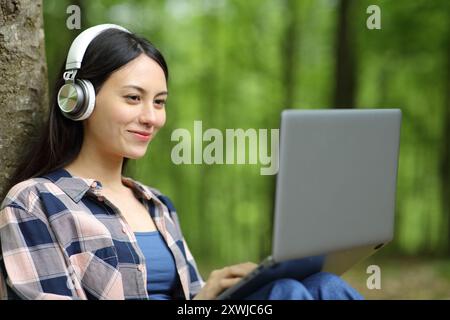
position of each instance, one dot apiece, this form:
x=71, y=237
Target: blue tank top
x=162, y=276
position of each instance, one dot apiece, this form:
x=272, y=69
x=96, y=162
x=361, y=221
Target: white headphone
x=76, y=98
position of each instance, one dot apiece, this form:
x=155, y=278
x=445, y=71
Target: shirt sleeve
x=32, y=263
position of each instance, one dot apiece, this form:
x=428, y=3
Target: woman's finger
x=226, y=283
x=238, y=270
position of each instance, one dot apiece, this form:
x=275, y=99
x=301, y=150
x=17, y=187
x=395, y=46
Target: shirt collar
x=76, y=187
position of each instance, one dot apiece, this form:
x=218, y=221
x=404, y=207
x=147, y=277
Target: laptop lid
x=336, y=182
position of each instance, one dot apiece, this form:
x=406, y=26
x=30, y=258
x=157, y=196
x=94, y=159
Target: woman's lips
x=142, y=136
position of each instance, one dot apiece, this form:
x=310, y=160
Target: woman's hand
x=222, y=279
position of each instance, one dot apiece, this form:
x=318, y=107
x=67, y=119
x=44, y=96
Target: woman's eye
x=133, y=98
x=161, y=103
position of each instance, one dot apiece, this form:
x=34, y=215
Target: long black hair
x=60, y=139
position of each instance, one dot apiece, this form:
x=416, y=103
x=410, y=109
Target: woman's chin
x=135, y=155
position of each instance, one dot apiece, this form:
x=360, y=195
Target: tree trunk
x=290, y=44
x=208, y=84
x=445, y=160
x=23, y=82
x=344, y=93
x=290, y=48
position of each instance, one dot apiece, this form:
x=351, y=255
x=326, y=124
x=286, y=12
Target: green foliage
x=227, y=62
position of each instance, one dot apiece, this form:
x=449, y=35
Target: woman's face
x=131, y=99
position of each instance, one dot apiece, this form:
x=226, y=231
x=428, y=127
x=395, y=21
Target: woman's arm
x=33, y=264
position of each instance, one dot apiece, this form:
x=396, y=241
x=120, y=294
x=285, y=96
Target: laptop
x=335, y=193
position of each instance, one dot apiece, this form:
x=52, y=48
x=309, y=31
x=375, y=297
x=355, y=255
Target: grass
x=404, y=278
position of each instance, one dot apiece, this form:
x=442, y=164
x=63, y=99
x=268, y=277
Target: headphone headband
x=82, y=41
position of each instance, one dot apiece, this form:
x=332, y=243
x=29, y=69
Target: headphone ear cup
x=77, y=100
x=70, y=98
x=88, y=102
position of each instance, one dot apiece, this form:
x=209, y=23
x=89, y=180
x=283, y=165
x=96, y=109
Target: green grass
x=404, y=278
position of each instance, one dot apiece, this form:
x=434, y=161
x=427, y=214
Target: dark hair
x=60, y=139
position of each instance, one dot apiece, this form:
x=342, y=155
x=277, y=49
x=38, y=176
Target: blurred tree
x=23, y=88
x=445, y=160
x=57, y=36
x=207, y=89
x=345, y=66
x=290, y=45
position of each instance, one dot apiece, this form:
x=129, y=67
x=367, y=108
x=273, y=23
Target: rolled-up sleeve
x=32, y=263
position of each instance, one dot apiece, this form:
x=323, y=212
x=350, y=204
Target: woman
x=72, y=227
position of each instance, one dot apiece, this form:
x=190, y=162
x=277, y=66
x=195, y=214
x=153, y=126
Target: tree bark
x=23, y=82
x=345, y=84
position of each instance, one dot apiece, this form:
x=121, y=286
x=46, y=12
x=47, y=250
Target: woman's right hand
x=222, y=279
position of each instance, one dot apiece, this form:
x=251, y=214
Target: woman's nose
x=148, y=114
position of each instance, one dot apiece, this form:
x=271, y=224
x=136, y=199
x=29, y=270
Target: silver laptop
x=335, y=193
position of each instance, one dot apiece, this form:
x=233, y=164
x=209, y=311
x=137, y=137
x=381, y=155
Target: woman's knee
x=326, y=279
x=289, y=289
x=324, y=286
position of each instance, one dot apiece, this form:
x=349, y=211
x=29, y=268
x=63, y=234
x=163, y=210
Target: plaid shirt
x=62, y=239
